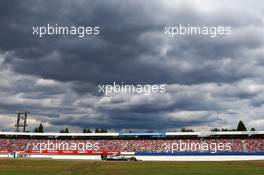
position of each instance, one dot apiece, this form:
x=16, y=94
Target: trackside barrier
x=142, y=133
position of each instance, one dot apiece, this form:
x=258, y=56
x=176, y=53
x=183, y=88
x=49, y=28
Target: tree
x=252, y=129
x=35, y=130
x=103, y=130
x=66, y=130
x=241, y=126
x=186, y=130
x=40, y=128
x=215, y=129
x=86, y=130
x=96, y=130
x=226, y=129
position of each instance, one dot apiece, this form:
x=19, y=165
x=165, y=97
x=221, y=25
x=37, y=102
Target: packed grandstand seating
x=135, y=145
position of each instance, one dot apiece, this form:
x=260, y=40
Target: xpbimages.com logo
x=63, y=145
x=125, y=88
x=79, y=31
x=211, y=31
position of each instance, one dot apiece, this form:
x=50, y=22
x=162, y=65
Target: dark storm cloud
x=116, y=55
x=79, y=59
x=131, y=48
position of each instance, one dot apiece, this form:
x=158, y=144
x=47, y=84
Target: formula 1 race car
x=116, y=157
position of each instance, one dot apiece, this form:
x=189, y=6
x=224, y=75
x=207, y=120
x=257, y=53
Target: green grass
x=77, y=167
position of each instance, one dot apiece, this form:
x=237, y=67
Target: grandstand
x=234, y=145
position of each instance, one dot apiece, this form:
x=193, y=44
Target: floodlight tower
x=21, y=121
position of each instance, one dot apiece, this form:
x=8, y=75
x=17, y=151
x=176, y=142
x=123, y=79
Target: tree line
x=40, y=129
x=240, y=127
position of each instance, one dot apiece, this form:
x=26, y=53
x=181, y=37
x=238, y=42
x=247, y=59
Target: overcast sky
x=211, y=82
